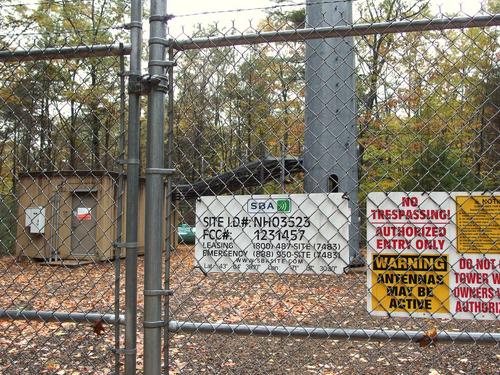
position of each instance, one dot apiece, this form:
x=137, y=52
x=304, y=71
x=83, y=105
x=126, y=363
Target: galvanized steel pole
x=330, y=139
x=154, y=192
x=133, y=168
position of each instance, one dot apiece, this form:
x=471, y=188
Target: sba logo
x=269, y=205
x=284, y=205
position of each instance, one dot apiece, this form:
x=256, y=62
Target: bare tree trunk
x=50, y=164
x=14, y=163
x=480, y=153
x=26, y=141
x=95, y=126
x=107, y=154
x=239, y=134
x=72, y=137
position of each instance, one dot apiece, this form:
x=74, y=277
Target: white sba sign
x=295, y=233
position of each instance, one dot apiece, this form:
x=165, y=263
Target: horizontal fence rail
x=76, y=52
x=337, y=32
x=56, y=316
x=332, y=333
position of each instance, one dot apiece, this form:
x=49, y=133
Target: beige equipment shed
x=72, y=216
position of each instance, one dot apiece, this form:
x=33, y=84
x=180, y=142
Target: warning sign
x=296, y=233
x=417, y=267
x=83, y=213
x=475, y=287
x=410, y=283
x=478, y=224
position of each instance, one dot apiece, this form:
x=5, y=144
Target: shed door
x=83, y=225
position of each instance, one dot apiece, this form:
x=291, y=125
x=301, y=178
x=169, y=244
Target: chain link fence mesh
x=400, y=112
x=61, y=140
x=415, y=110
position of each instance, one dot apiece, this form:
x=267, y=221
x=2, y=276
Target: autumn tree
x=64, y=112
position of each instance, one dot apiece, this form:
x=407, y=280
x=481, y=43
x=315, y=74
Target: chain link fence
x=392, y=99
x=62, y=134
x=282, y=243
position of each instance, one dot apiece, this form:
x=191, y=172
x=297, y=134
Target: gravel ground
x=309, y=301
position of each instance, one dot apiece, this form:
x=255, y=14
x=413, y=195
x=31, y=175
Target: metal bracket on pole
x=142, y=85
x=162, y=171
x=125, y=351
x=125, y=245
x=132, y=25
x=163, y=41
x=162, y=63
x=128, y=161
x=159, y=323
x=159, y=292
x=164, y=18
x=135, y=84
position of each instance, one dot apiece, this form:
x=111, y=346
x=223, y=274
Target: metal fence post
x=154, y=191
x=330, y=139
x=133, y=168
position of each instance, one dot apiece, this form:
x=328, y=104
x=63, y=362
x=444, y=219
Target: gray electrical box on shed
x=35, y=219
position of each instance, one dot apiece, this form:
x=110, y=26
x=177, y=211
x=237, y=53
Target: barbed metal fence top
x=312, y=191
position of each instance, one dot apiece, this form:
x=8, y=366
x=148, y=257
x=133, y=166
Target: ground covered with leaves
x=28, y=347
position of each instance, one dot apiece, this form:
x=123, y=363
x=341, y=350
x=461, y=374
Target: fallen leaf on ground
x=429, y=338
x=99, y=327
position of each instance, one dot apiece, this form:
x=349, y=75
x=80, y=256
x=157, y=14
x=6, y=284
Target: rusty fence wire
x=336, y=178
x=62, y=146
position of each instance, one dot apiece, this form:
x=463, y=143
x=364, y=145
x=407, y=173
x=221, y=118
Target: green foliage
x=439, y=168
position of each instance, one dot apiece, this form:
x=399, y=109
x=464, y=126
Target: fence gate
x=62, y=113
